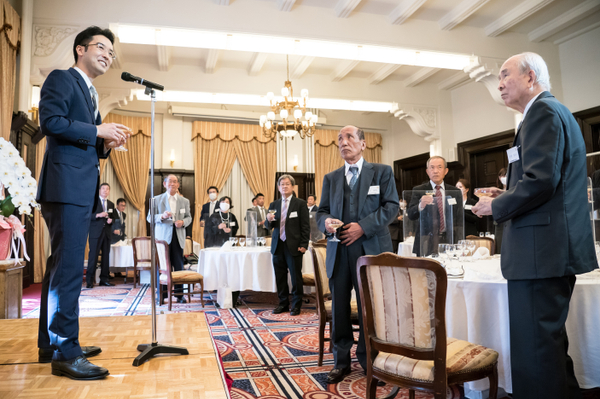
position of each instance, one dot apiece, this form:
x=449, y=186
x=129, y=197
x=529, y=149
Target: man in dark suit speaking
x=68, y=187
x=291, y=233
x=102, y=219
x=547, y=230
x=438, y=204
x=362, y=196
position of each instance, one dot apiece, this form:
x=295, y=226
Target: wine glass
x=273, y=212
x=462, y=246
x=471, y=245
x=481, y=234
x=482, y=192
x=242, y=241
x=442, y=254
x=121, y=148
x=335, y=226
x=232, y=241
x=235, y=240
x=262, y=241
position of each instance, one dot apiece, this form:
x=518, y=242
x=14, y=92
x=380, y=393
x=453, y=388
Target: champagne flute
x=335, y=226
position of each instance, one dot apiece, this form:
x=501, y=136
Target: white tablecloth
x=477, y=311
x=242, y=268
x=121, y=256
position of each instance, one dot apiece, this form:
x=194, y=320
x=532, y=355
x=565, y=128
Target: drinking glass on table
x=462, y=245
x=471, y=246
x=235, y=240
x=335, y=226
x=442, y=254
x=242, y=241
x=232, y=240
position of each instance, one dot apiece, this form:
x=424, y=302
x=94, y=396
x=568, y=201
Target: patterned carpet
x=268, y=356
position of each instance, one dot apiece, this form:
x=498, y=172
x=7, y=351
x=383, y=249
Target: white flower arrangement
x=16, y=177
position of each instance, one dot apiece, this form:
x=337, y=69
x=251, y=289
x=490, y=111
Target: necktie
x=440, y=205
x=94, y=94
x=282, y=223
x=103, y=204
x=354, y=170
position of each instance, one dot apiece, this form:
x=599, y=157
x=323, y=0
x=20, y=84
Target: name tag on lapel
x=468, y=207
x=513, y=154
x=232, y=224
x=110, y=211
x=373, y=190
x=182, y=211
x=293, y=214
x=451, y=201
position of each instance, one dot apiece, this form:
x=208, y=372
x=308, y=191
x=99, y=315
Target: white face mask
x=224, y=206
x=503, y=180
x=212, y=196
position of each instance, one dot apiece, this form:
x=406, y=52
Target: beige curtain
x=10, y=36
x=327, y=154
x=132, y=166
x=217, y=146
x=39, y=252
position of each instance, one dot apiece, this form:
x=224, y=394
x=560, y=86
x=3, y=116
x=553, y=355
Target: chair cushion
x=308, y=279
x=461, y=357
x=143, y=265
x=353, y=308
x=182, y=277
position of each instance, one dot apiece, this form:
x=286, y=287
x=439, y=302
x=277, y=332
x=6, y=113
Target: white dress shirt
x=173, y=205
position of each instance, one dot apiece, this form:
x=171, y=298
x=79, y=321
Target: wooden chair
x=189, y=247
x=487, y=242
x=170, y=278
x=324, y=303
x=141, y=256
x=406, y=336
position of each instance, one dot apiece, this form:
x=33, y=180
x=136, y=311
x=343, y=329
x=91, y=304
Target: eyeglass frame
x=101, y=47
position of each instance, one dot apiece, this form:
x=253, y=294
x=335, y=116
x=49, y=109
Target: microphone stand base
x=151, y=350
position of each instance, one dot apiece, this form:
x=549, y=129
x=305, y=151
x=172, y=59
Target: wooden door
x=485, y=166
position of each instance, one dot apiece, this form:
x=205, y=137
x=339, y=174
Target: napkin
x=227, y=245
x=484, y=270
x=121, y=243
x=481, y=253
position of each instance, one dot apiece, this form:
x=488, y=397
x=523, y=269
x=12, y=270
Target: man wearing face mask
x=171, y=217
x=208, y=209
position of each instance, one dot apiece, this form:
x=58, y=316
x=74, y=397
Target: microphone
x=126, y=76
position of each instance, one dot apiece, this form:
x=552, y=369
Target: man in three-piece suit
x=291, y=231
x=67, y=192
x=171, y=217
x=100, y=231
x=436, y=210
x=547, y=236
x=118, y=224
x=208, y=209
x=363, y=197
x=261, y=213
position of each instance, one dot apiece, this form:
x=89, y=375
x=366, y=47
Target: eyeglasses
x=102, y=48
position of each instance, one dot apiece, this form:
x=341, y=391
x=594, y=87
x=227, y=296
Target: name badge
x=468, y=207
x=373, y=190
x=451, y=201
x=110, y=211
x=294, y=214
x=182, y=211
x=310, y=216
x=513, y=154
x=231, y=224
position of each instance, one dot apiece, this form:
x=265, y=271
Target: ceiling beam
x=343, y=8
x=343, y=69
x=459, y=13
x=164, y=58
x=514, y=16
x=285, y=5
x=256, y=63
x=566, y=19
x=454, y=81
x=211, y=60
x=301, y=66
x=404, y=10
x=420, y=76
x=580, y=32
x=382, y=73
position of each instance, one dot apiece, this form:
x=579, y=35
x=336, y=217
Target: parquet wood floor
x=196, y=375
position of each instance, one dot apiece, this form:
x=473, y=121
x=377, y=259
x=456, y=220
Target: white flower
x=16, y=190
x=30, y=192
x=28, y=182
x=25, y=209
x=22, y=171
x=9, y=181
x=19, y=201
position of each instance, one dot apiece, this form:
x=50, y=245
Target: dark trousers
x=98, y=244
x=340, y=284
x=59, y=309
x=283, y=260
x=540, y=365
x=176, y=257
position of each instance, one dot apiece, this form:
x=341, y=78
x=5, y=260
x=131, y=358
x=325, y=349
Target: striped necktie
x=354, y=171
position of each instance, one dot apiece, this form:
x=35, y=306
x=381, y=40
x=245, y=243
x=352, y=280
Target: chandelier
x=295, y=117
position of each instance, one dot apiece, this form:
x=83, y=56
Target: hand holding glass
x=335, y=226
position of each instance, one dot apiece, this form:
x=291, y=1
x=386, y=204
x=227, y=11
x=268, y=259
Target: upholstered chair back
x=141, y=251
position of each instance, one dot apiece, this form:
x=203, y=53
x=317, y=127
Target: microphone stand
x=153, y=349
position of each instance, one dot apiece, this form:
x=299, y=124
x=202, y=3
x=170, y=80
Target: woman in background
x=221, y=224
x=470, y=218
x=500, y=183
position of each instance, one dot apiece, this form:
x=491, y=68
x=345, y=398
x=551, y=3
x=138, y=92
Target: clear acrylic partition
x=315, y=233
x=593, y=170
x=424, y=226
x=251, y=223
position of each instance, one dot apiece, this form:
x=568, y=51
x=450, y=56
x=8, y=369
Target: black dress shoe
x=181, y=299
x=89, y=285
x=45, y=355
x=337, y=375
x=106, y=284
x=295, y=312
x=78, y=369
x=280, y=309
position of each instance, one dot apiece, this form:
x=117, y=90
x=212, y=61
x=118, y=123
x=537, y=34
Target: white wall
x=579, y=63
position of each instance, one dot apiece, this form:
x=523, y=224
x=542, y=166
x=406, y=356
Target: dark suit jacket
x=314, y=209
x=547, y=228
x=117, y=225
x=457, y=214
x=375, y=213
x=70, y=168
x=470, y=218
x=98, y=226
x=297, y=229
